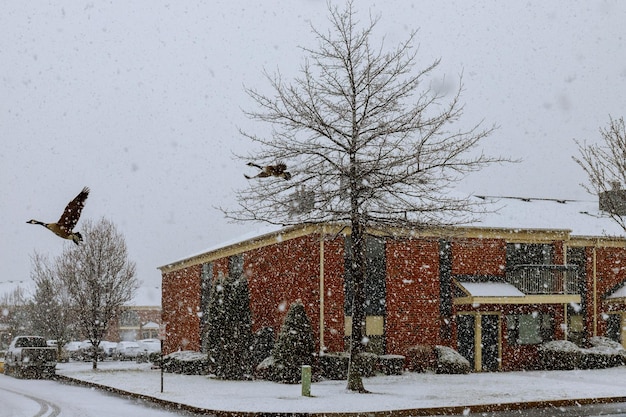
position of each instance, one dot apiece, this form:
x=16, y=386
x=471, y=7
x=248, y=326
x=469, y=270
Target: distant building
x=492, y=293
x=135, y=323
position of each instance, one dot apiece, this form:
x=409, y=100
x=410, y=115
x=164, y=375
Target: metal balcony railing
x=544, y=279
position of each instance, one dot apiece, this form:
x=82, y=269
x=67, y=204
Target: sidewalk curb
x=426, y=411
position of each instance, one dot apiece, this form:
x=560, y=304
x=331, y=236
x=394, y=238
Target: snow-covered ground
x=407, y=391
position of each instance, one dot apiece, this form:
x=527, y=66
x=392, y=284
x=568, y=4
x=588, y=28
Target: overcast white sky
x=142, y=101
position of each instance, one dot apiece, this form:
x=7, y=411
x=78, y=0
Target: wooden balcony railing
x=544, y=279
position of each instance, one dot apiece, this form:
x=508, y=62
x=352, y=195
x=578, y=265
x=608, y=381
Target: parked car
x=73, y=350
x=150, y=345
x=108, y=348
x=126, y=350
x=148, y=348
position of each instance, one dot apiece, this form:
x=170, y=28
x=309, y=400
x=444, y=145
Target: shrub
x=449, y=361
x=264, y=369
x=391, y=364
x=603, y=353
x=186, y=362
x=606, y=343
x=421, y=358
x=560, y=355
x=599, y=358
x=262, y=345
x=228, y=328
x=368, y=363
x=155, y=358
x=565, y=355
x=294, y=346
x=334, y=365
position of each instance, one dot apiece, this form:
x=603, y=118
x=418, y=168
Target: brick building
x=492, y=293
x=135, y=323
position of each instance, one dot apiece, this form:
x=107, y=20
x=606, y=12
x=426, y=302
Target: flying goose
x=278, y=170
x=69, y=218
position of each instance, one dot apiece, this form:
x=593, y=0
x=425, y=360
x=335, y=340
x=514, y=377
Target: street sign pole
x=162, y=333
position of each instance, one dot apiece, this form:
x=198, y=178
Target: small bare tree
x=99, y=279
x=15, y=314
x=51, y=307
x=605, y=166
x=366, y=141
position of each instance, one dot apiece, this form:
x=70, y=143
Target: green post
x=306, y=380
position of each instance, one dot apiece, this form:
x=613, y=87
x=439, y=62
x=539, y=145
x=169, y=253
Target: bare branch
x=605, y=165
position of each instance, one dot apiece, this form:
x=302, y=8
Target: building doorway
x=478, y=340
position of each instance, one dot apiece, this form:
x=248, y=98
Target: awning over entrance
x=504, y=293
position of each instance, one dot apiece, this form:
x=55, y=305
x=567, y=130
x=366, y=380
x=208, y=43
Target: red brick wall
x=412, y=294
x=280, y=274
x=610, y=271
x=181, y=304
x=334, y=296
x=478, y=257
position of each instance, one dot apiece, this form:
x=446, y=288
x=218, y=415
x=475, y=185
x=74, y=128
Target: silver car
x=126, y=350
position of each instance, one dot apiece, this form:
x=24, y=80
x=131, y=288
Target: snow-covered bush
x=560, y=355
x=294, y=346
x=228, y=332
x=262, y=345
x=186, y=362
x=605, y=342
x=449, y=361
x=421, y=358
x=334, y=365
x=391, y=364
x=264, y=369
x=603, y=353
x=368, y=363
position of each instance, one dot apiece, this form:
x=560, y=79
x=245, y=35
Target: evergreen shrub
x=294, y=346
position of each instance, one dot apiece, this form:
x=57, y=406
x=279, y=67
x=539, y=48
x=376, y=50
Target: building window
x=576, y=329
x=613, y=327
x=235, y=266
x=375, y=293
x=129, y=318
x=528, y=254
x=529, y=329
x=206, y=281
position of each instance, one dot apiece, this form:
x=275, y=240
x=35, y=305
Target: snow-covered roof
x=490, y=289
x=578, y=217
x=581, y=217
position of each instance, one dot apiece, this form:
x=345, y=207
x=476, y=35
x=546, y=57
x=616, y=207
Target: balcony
x=544, y=279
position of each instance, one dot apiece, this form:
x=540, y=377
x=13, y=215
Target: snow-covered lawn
x=407, y=391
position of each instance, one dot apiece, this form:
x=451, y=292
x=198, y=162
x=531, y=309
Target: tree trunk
x=355, y=381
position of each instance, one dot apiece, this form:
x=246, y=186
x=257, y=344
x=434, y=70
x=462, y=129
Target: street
x=46, y=398
x=593, y=410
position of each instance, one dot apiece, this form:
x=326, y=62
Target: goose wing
x=72, y=211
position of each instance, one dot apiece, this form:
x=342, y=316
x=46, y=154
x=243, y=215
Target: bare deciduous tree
x=605, y=165
x=367, y=143
x=50, y=307
x=99, y=278
x=14, y=314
